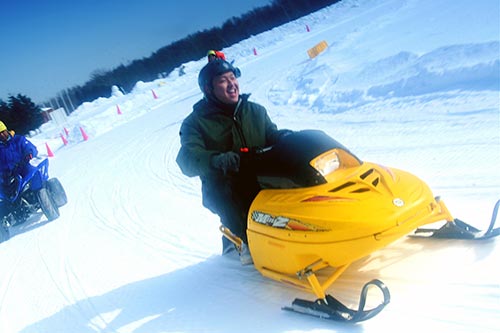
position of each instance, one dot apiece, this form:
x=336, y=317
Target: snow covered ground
x=409, y=84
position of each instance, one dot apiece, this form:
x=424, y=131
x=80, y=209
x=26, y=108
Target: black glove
x=28, y=157
x=227, y=162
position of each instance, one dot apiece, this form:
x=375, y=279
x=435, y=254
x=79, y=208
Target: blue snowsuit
x=13, y=157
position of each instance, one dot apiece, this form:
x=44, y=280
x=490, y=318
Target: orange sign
x=313, y=52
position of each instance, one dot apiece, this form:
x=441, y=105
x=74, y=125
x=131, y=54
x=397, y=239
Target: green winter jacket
x=212, y=129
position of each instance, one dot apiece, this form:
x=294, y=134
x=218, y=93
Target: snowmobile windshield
x=287, y=164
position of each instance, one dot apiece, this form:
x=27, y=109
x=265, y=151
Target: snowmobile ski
x=333, y=309
x=458, y=229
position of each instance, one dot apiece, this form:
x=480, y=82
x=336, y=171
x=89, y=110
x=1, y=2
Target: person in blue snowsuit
x=15, y=153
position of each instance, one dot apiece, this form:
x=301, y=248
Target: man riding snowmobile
x=222, y=125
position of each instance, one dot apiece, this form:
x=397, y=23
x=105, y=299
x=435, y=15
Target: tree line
x=170, y=57
x=20, y=114
x=194, y=47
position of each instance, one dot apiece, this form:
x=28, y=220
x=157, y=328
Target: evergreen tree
x=5, y=114
x=23, y=115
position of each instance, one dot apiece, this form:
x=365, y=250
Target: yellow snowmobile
x=322, y=207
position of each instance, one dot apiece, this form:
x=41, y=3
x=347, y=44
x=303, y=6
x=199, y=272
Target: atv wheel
x=4, y=233
x=57, y=192
x=48, y=206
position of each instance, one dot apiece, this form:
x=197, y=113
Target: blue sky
x=50, y=45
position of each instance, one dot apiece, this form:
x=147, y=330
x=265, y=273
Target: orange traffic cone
x=64, y=139
x=154, y=94
x=118, y=109
x=49, y=152
x=66, y=131
x=84, y=135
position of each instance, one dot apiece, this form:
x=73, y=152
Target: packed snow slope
x=408, y=84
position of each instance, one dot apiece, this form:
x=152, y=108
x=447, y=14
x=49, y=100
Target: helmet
x=2, y=127
x=213, y=69
x=211, y=52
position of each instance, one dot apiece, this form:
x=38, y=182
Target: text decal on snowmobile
x=282, y=222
